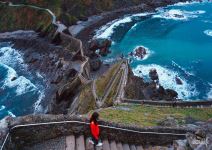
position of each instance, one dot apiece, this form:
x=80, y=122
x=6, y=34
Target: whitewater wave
x=12, y=80
x=185, y=3
x=11, y=57
x=2, y=107
x=167, y=78
x=209, y=95
x=11, y=114
x=107, y=30
x=208, y=32
x=190, y=2
x=177, y=14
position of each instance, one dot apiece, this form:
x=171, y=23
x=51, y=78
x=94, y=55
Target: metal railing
x=82, y=123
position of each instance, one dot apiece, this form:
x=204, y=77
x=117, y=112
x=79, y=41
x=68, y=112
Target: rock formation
x=102, y=45
x=140, y=52
x=137, y=88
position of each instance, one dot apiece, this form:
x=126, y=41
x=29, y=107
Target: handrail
x=85, y=123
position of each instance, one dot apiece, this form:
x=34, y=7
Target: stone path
x=123, y=70
x=82, y=143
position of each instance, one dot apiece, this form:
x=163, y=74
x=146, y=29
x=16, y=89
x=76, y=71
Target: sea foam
x=167, y=78
x=209, y=95
x=208, y=32
x=107, y=30
x=177, y=14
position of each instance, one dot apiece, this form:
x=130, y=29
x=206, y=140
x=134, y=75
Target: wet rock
x=171, y=93
x=102, y=45
x=94, y=45
x=153, y=74
x=178, y=81
x=14, y=78
x=140, y=52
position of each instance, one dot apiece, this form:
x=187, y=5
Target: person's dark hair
x=94, y=117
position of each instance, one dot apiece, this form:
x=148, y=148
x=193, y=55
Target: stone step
x=88, y=145
x=126, y=147
x=53, y=144
x=113, y=145
x=132, y=147
x=119, y=146
x=106, y=145
x=139, y=147
x=70, y=142
x=80, y=143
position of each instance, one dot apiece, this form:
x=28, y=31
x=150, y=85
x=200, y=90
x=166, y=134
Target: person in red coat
x=94, y=128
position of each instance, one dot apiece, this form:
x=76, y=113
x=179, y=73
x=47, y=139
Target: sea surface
x=179, y=43
x=21, y=91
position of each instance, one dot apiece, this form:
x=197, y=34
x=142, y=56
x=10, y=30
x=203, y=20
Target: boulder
x=140, y=52
x=13, y=78
x=178, y=81
x=171, y=93
x=102, y=45
x=94, y=45
x=153, y=74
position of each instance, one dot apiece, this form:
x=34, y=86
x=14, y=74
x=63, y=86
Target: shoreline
x=87, y=33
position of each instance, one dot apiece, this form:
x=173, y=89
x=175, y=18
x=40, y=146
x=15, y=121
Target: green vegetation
x=53, y=5
x=102, y=82
x=86, y=100
x=150, y=116
x=25, y=18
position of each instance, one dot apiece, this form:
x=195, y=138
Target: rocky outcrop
x=137, y=88
x=140, y=52
x=102, y=45
x=153, y=74
x=95, y=62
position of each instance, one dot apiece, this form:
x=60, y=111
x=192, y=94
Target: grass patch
x=25, y=18
x=102, y=82
x=86, y=100
x=144, y=116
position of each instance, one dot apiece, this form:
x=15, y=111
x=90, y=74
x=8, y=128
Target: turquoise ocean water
x=21, y=90
x=179, y=43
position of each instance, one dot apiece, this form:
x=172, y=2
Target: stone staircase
x=82, y=143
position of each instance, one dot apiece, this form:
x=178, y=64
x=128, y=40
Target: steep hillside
x=15, y=18
x=71, y=11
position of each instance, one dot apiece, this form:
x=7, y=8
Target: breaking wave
x=107, y=30
x=208, y=32
x=177, y=14
x=167, y=78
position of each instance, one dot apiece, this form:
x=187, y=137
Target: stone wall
x=28, y=135
x=170, y=103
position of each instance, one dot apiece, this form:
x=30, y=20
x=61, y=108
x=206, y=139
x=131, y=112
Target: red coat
x=94, y=130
